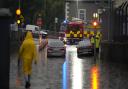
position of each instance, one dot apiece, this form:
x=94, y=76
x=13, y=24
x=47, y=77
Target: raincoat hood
x=28, y=35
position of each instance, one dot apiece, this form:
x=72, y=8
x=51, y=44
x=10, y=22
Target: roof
x=32, y=27
x=75, y=23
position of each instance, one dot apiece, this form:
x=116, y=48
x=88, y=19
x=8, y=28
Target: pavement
x=43, y=76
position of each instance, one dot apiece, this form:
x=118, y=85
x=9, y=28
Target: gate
x=121, y=23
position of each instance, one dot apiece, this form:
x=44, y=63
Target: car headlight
x=59, y=37
x=65, y=45
x=65, y=39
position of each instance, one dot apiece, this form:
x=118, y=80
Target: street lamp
x=95, y=24
x=77, y=8
x=95, y=15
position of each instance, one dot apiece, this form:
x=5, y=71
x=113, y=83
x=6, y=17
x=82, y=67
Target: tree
x=54, y=8
x=49, y=8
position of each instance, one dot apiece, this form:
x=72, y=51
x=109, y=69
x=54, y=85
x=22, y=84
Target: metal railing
x=121, y=23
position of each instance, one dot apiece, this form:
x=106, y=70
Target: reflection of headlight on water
x=77, y=76
x=74, y=69
x=71, y=52
x=65, y=75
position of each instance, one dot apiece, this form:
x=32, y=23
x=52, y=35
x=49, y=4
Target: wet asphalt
x=112, y=75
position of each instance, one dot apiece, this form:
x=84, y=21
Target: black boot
x=27, y=85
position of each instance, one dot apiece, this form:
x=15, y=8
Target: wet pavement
x=111, y=75
x=43, y=77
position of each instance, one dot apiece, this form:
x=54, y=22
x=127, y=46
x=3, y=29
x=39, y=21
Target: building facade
x=83, y=9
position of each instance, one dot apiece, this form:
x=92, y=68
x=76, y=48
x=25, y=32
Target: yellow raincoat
x=92, y=40
x=27, y=53
x=97, y=41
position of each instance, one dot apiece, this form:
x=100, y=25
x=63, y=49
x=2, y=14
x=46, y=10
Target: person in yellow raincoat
x=27, y=54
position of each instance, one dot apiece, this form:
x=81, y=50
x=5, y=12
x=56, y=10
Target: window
x=82, y=14
x=73, y=28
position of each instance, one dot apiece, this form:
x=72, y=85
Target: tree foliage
x=49, y=8
x=54, y=8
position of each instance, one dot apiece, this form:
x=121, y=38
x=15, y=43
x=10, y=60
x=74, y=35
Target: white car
x=85, y=47
x=33, y=28
x=55, y=48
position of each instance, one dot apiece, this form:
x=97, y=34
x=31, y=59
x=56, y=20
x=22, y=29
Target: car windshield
x=56, y=44
x=73, y=28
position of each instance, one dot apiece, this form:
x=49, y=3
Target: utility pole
x=77, y=12
x=110, y=20
x=45, y=6
x=56, y=21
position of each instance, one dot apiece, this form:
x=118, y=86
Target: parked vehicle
x=85, y=47
x=72, y=31
x=55, y=48
x=33, y=28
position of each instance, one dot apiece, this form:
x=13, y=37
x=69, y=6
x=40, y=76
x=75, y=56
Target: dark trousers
x=97, y=50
